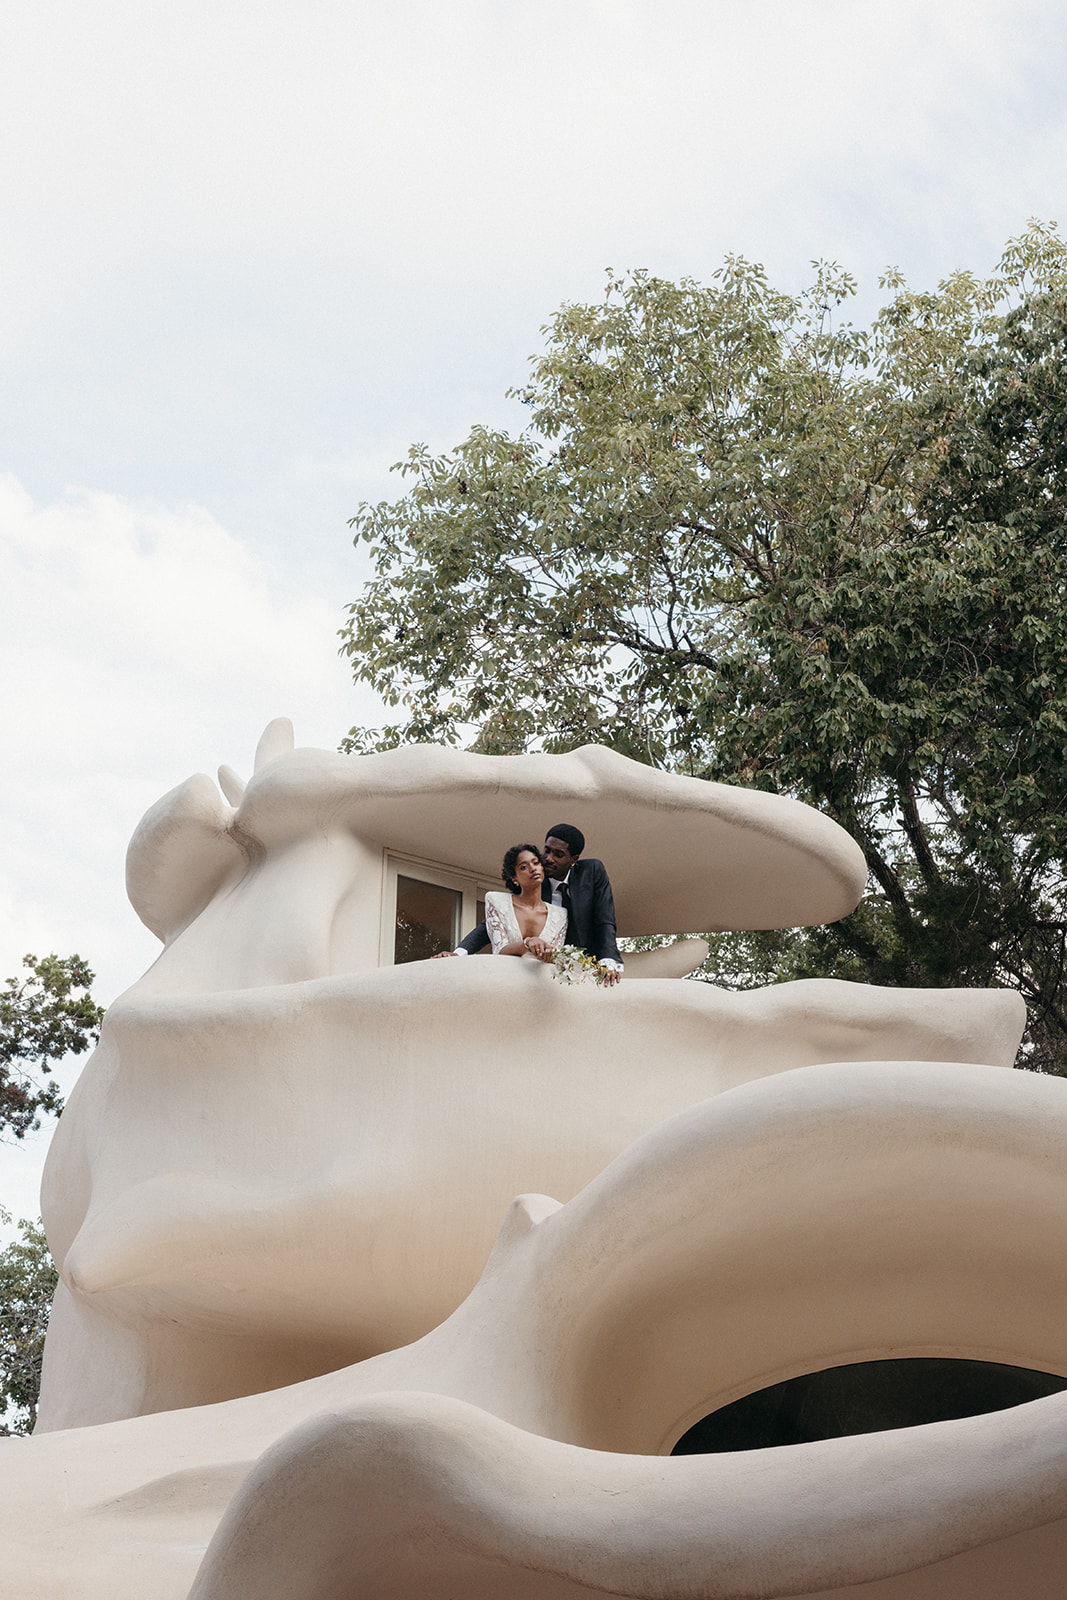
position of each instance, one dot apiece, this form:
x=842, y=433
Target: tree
x=47, y=1014
x=27, y=1285
x=744, y=540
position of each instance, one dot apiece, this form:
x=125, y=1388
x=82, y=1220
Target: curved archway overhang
x=843, y=1213
x=685, y=855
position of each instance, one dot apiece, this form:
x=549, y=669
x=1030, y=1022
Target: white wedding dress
x=502, y=925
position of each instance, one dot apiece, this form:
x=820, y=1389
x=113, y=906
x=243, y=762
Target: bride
x=521, y=923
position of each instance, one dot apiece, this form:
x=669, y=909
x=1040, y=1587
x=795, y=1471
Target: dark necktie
x=565, y=896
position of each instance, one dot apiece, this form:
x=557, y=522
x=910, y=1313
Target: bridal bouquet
x=574, y=965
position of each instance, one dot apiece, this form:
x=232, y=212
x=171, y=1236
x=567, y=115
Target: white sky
x=250, y=252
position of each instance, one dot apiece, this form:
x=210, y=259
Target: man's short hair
x=572, y=837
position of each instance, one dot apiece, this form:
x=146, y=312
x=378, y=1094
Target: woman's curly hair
x=507, y=871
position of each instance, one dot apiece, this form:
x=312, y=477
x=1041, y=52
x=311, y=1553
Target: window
x=427, y=919
x=426, y=908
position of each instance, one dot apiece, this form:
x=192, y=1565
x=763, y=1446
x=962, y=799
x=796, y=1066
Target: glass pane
x=427, y=919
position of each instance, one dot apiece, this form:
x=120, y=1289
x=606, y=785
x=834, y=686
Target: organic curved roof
x=684, y=855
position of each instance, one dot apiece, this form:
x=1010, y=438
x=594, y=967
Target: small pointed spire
x=277, y=740
x=232, y=785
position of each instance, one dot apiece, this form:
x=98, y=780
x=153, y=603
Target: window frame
x=395, y=864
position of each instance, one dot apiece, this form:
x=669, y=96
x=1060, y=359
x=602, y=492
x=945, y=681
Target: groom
x=582, y=887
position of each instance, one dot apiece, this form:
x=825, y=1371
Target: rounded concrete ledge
x=251, y=1188
x=454, y=1502
x=838, y=1212
x=685, y=855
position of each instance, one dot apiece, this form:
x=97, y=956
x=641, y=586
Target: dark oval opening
x=865, y=1397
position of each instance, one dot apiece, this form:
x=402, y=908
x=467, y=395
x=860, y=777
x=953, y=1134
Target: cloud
x=244, y=237
x=142, y=643
x=436, y=136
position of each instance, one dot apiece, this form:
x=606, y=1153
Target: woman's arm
x=501, y=936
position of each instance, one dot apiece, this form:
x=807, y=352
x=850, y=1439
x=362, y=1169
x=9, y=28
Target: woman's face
x=528, y=870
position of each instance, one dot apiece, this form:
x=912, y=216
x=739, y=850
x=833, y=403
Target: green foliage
x=27, y=1284
x=915, y=687
x=45, y=1015
x=745, y=540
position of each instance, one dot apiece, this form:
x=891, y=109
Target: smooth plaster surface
x=257, y=1183
x=849, y=1211
x=283, y=1159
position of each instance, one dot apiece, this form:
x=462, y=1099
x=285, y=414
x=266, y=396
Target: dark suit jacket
x=590, y=916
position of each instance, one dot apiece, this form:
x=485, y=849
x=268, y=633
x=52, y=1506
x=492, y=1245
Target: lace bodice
x=502, y=925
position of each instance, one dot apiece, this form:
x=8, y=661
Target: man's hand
x=611, y=978
x=440, y=953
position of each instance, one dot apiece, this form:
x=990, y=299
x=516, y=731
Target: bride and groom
x=556, y=897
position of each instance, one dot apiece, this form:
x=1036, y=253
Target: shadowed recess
x=865, y=1397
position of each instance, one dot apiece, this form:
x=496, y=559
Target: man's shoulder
x=591, y=866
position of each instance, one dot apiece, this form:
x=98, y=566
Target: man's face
x=560, y=861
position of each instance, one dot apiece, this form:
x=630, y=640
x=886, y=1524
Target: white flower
x=574, y=965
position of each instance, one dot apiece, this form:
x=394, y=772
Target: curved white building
x=274, y=1195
